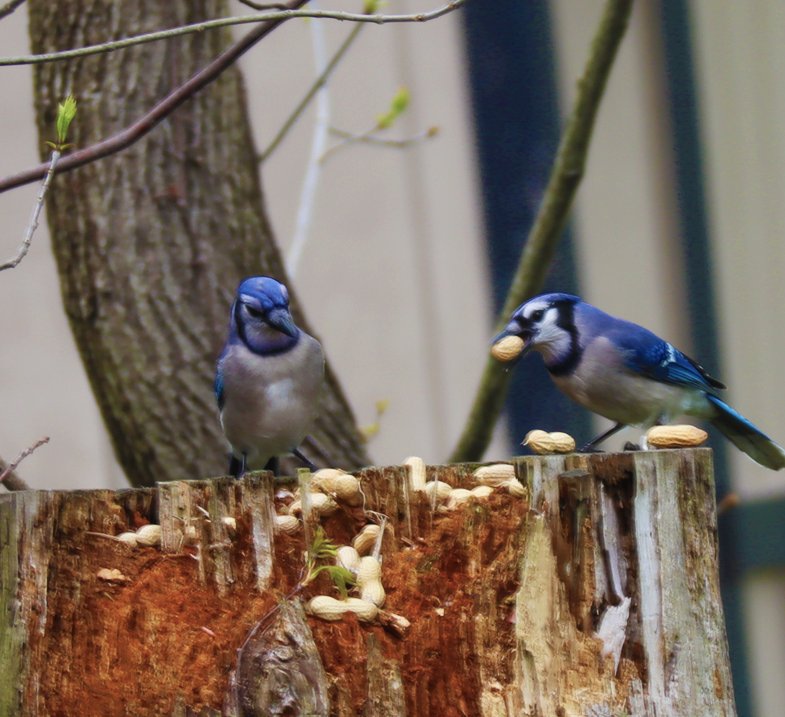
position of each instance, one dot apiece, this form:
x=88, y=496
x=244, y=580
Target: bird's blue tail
x=745, y=436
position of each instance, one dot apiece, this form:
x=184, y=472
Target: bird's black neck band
x=567, y=362
x=275, y=342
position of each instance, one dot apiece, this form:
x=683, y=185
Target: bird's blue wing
x=648, y=355
x=219, y=388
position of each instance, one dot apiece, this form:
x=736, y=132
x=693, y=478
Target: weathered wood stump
x=593, y=593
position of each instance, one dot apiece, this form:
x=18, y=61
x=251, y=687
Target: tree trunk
x=590, y=588
x=151, y=243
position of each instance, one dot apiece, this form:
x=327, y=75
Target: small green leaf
x=370, y=431
x=371, y=6
x=322, y=547
x=66, y=111
x=342, y=578
x=399, y=104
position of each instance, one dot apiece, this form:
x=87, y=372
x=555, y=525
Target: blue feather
x=746, y=436
x=218, y=387
x=599, y=361
x=650, y=356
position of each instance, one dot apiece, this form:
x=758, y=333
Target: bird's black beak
x=280, y=318
x=514, y=329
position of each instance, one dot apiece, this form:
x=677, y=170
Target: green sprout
x=398, y=105
x=322, y=548
x=66, y=111
x=372, y=429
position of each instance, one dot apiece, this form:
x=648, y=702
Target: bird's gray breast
x=271, y=401
x=603, y=384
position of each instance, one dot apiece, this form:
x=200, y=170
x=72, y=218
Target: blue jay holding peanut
x=269, y=378
x=625, y=373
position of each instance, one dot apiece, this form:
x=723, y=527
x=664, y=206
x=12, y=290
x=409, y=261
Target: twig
x=728, y=502
x=135, y=131
x=8, y=476
x=138, y=129
x=9, y=7
x=264, y=6
x=544, y=236
x=276, y=17
x=376, y=139
x=369, y=137
x=12, y=481
x=33, y=224
x=314, y=88
x=318, y=144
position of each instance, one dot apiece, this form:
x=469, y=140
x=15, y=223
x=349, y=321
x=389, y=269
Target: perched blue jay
x=627, y=374
x=269, y=378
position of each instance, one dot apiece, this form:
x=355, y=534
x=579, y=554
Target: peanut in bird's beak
x=512, y=344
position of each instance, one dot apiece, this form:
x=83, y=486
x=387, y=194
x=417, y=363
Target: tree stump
x=589, y=590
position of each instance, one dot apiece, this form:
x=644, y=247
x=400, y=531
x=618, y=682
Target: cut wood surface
x=590, y=588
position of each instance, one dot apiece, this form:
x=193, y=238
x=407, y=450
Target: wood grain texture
x=150, y=244
x=595, y=593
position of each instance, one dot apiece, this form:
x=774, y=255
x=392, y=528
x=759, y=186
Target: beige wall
x=741, y=62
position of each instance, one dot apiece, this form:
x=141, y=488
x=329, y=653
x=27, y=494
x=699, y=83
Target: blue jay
x=627, y=374
x=268, y=380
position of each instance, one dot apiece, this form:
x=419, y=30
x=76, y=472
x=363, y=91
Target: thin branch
x=138, y=129
x=369, y=137
x=318, y=144
x=135, y=131
x=276, y=17
x=12, y=481
x=379, y=141
x=314, y=88
x=33, y=224
x=544, y=236
x=264, y=6
x=9, y=7
x=8, y=476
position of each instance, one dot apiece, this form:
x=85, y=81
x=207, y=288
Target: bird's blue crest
x=554, y=298
x=263, y=291
x=260, y=316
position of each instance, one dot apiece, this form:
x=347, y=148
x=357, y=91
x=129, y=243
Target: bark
x=592, y=592
x=151, y=243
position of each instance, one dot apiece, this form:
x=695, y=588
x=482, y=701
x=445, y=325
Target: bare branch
x=33, y=224
x=544, y=236
x=131, y=134
x=8, y=476
x=135, y=131
x=9, y=7
x=312, y=90
x=379, y=141
x=318, y=143
x=370, y=137
x=275, y=17
x=264, y=6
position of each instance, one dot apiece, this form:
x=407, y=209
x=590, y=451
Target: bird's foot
x=630, y=446
x=590, y=448
x=236, y=466
x=273, y=465
x=310, y=466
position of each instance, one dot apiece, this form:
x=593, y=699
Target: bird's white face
x=541, y=330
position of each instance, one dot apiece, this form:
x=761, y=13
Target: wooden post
x=592, y=591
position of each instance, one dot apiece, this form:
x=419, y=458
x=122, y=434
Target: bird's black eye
x=254, y=313
x=537, y=315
